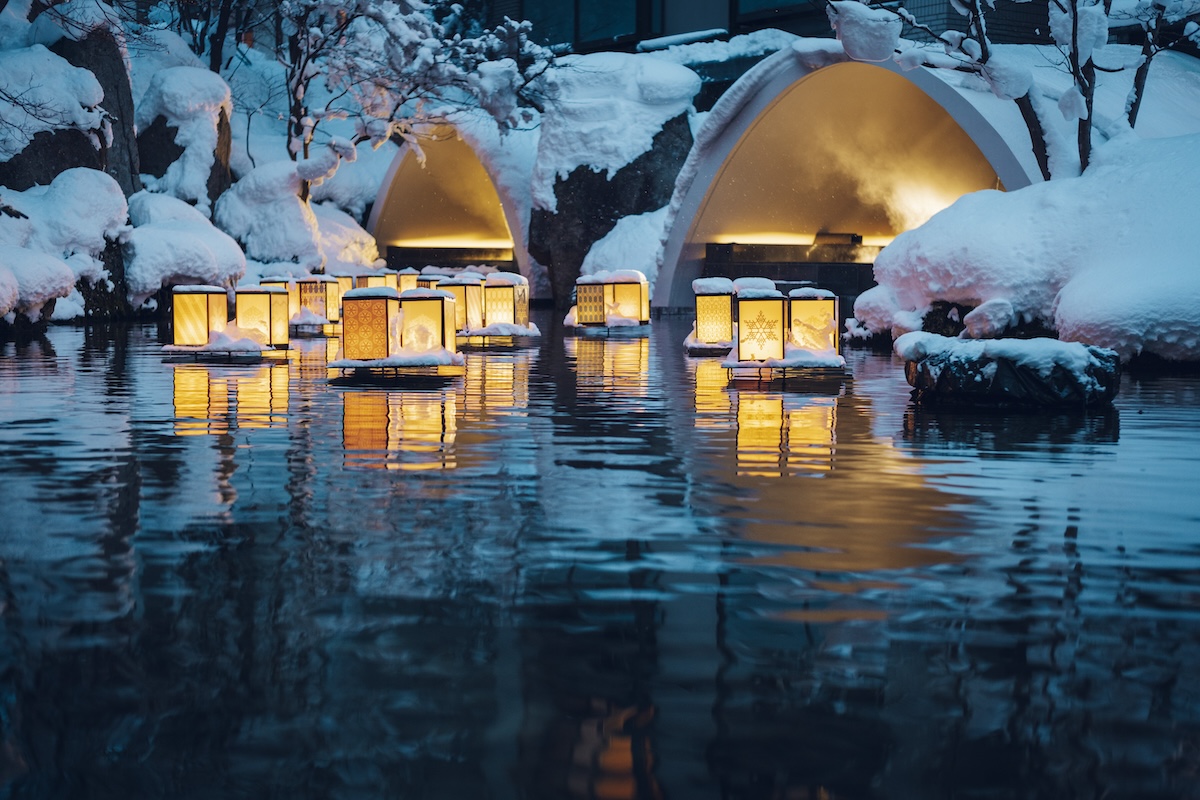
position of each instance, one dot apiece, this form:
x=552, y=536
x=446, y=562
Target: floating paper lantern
x=714, y=310
x=429, y=320
x=621, y=294
x=467, y=289
x=814, y=317
x=284, y=282
x=429, y=281
x=407, y=279
x=506, y=299
x=762, y=320
x=264, y=310
x=321, y=295
x=370, y=329
x=197, y=312
x=384, y=278
x=345, y=281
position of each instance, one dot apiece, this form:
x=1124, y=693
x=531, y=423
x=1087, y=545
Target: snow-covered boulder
x=1105, y=258
x=184, y=139
x=264, y=213
x=1008, y=372
x=39, y=279
x=344, y=243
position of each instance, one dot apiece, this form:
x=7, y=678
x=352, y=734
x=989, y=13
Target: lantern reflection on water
x=506, y=299
x=370, y=322
x=212, y=402
x=814, y=318
x=713, y=402
x=617, y=365
x=496, y=384
x=197, y=312
x=782, y=434
x=263, y=310
x=399, y=430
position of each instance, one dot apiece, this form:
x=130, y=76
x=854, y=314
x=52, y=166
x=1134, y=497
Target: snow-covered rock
x=53, y=95
x=263, y=211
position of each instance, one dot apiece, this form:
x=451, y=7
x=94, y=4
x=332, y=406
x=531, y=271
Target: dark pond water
x=585, y=570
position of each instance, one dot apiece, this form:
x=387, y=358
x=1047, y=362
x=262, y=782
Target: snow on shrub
x=52, y=94
x=38, y=277
x=1104, y=258
x=342, y=241
x=191, y=100
x=263, y=211
x=867, y=34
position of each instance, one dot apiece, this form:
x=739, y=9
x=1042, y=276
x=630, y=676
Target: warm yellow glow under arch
x=850, y=148
x=449, y=201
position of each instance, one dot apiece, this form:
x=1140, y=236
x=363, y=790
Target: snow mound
x=342, y=241
x=37, y=278
x=603, y=111
x=1101, y=258
x=179, y=251
x=147, y=208
x=190, y=99
x=263, y=212
x=866, y=33
x=53, y=95
x=634, y=242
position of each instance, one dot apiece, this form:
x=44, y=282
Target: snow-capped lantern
x=467, y=288
x=714, y=310
x=370, y=323
x=321, y=295
x=813, y=319
x=428, y=320
x=762, y=319
x=384, y=278
x=427, y=281
x=264, y=310
x=284, y=282
x=506, y=299
x=607, y=296
x=345, y=281
x=197, y=312
x=406, y=279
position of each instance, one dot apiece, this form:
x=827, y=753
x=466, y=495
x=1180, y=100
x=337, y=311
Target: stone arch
x=817, y=144
x=446, y=209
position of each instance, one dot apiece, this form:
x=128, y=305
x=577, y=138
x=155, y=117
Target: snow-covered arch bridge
x=809, y=146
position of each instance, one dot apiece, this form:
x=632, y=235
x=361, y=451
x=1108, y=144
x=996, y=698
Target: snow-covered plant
x=390, y=65
x=1166, y=25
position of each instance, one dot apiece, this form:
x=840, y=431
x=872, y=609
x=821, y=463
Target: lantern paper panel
x=263, y=311
x=590, y=306
x=429, y=324
x=345, y=282
x=368, y=327
x=429, y=281
x=196, y=315
x=406, y=279
x=322, y=296
x=468, y=304
x=761, y=328
x=714, y=318
x=288, y=285
x=814, y=323
x=628, y=300
x=507, y=304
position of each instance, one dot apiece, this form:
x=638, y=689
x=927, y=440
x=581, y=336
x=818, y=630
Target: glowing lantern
x=762, y=320
x=428, y=281
x=384, y=278
x=406, y=279
x=714, y=310
x=467, y=289
x=429, y=320
x=506, y=299
x=263, y=309
x=197, y=312
x=321, y=295
x=814, y=319
x=369, y=324
x=284, y=282
x=621, y=294
x=345, y=281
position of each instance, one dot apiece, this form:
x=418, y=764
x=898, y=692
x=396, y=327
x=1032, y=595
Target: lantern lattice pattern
x=507, y=304
x=714, y=318
x=368, y=326
x=320, y=295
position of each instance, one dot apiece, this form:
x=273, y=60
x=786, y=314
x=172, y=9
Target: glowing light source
x=384, y=278
x=429, y=281
x=406, y=279
x=322, y=295
x=714, y=310
x=813, y=319
x=506, y=299
x=608, y=297
x=467, y=288
x=428, y=320
x=197, y=312
x=370, y=324
x=762, y=323
x=284, y=282
x=263, y=310
x=345, y=281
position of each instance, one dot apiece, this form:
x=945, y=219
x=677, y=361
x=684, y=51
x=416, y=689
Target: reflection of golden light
x=782, y=434
x=428, y=323
x=495, y=385
x=611, y=756
x=759, y=434
x=199, y=401
x=262, y=397
x=289, y=285
x=205, y=402
x=369, y=325
x=399, y=430
x=611, y=364
x=761, y=325
x=810, y=435
x=197, y=312
x=712, y=400
x=447, y=202
x=714, y=318
x=322, y=295
x=262, y=312
x=814, y=323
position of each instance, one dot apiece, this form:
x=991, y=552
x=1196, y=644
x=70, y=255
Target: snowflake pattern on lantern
x=760, y=329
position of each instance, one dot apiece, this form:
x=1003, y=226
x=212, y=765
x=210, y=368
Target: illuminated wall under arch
x=844, y=148
x=449, y=202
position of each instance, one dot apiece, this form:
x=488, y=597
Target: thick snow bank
x=635, y=242
x=52, y=95
x=603, y=111
x=263, y=212
x=38, y=278
x=343, y=242
x=190, y=99
x=1104, y=258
